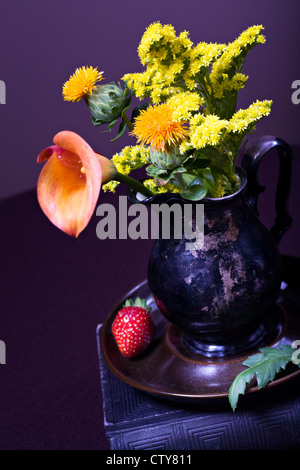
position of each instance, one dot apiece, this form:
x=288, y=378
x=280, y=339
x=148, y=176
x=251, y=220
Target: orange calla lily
x=69, y=184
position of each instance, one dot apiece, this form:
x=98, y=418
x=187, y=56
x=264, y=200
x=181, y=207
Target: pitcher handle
x=250, y=163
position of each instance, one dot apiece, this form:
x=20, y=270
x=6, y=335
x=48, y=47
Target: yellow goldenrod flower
x=244, y=119
x=82, y=82
x=166, y=57
x=236, y=83
x=140, y=82
x=155, y=37
x=234, y=54
x=184, y=104
x=131, y=158
x=156, y=188
x=206, y=130
x=110, y=186
x=203, y=54
x=156, y=126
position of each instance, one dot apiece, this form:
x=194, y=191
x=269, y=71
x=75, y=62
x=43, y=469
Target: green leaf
x=120, y=131
x=138, y=302
x=153, y=170
x=97, y=122
x=136, y=111
x=196, y=163
x=111, y=125
x=194, y=193
x=190, y=179
x=238, y=386
x=163, y=174
x=126, y=107
x=126, y=90
x=264, y=365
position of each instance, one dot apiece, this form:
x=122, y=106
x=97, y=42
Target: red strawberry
x=133, y=328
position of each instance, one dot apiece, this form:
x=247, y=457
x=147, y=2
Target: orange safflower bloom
x=157, y=127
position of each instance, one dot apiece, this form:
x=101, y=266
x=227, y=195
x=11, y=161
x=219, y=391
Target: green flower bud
x=107, y=102
x=167, y=160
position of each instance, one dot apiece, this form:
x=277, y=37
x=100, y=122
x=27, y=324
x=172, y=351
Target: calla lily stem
x=134, y=184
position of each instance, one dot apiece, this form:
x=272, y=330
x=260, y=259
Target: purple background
x=42, y=43
x=54, y=290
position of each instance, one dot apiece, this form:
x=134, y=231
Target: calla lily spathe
x=69, y=184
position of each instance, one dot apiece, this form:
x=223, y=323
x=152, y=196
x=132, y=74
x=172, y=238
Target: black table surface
x=54, y=291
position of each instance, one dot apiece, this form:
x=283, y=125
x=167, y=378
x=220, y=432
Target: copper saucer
x=167, y=370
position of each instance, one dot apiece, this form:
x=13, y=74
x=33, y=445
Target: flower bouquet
x=188, y=132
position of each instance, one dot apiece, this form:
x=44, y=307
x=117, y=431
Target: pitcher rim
x=131, y=194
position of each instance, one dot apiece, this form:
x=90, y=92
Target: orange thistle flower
x=156, y=126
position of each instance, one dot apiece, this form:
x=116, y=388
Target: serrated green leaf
x=264, y=365
x=274, y=360
x=238, y=387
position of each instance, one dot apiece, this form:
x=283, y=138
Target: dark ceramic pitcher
x=222, y=293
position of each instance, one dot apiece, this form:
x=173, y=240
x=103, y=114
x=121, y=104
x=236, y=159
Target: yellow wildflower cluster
x=200, y=59
x=245, y=118
x=210, y=130
x=231, y=61
x=131, y=158
x=185, y=104
x=202, y=55
x=237, y=82
x=204, y=131
x=160, y=42
x=166, y=57
x=222, y=183
x=173, y=63
x=156, y=188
